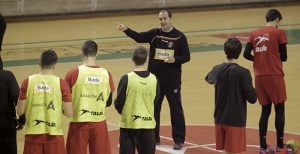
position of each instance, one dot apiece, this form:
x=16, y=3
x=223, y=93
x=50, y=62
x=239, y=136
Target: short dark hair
x=272, y=14
x=89, y=48
x=232, y=48
x=140, y=55
x=48, y=58
x=169, y=13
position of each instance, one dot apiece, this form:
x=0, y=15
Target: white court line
x=166, y=148
x=190, y=124
x=168, y=138
x=272, y=130
x=205, y=146
x=169, y=149
x=193, y=144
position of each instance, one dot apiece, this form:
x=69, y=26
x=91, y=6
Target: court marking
x=111, y=53
x=202, y=139
x=124, y=37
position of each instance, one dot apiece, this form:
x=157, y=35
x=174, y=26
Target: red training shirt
x=266, y=43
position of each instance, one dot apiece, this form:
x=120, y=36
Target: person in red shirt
x=92, y=87
x=43, y=98
x=269, y=51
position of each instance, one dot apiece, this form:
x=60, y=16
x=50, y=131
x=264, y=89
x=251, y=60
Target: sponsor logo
x=96, y=113
x=47, y=123
x=143, y=83
x=50, y=105
x=261, y=49
x=93, y=80
x=259, y=43
x=43, y=88
x=93, y=113
x=88, y=95
x=162, y=54
x=98, y=97
x=135, y=117
x=83, y=111
x=258, y=40
x=39, y=105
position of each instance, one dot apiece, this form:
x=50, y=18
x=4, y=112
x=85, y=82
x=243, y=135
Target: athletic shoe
x=266, y=151
x=177, y=146
x=284, y=150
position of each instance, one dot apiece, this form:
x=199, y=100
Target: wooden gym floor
x=206, y=32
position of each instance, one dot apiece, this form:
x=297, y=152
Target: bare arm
x=21, y=107
x=68, y=109
x=67, y=99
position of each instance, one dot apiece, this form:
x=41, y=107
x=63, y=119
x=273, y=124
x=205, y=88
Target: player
x=233, y=88
x=269, y=51
x=92, y=87
x=137, y=93
x=43, y=98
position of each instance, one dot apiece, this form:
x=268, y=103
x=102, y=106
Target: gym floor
x=206, y=32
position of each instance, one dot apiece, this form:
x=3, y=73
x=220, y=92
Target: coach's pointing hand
x=121, y=27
